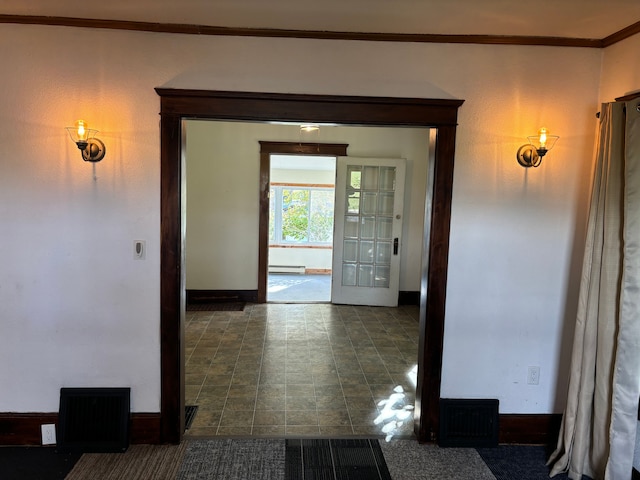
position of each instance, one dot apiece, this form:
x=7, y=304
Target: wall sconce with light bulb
x=530, y=155
x=92, y=149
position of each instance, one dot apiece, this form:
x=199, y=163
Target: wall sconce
x=92, y=149
x=530, y=155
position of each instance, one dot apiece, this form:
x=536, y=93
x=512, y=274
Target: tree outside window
x=301, y=215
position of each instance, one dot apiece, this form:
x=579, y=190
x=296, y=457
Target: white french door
x=367, y=233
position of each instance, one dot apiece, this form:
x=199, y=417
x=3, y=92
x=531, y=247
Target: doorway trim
x=266, y=150
x=176, y=105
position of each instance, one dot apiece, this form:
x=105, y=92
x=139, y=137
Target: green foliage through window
x=301, y=215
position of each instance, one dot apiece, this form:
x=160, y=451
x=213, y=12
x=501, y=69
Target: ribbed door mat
x=343, y=459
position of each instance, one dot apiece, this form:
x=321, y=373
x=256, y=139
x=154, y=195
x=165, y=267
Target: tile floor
x=302, y=369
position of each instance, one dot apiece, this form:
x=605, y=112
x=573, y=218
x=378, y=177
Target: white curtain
x=597, y=437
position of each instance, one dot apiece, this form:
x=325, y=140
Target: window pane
x=353, y=202
x=349, y=274
x=385, y=227
x=366, y=251
x=365, y=276
x=385, y=204
x=383, y=253
x=350, y=251
x=295, y=215
x=382, y=277
x=351, y=225
x=354, y=176
x=370, y=180
x=368, y=227
x=321, y=225
x=387, y=178
x=369, y=203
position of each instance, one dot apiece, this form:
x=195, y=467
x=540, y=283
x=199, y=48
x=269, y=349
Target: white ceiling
x=557, y=18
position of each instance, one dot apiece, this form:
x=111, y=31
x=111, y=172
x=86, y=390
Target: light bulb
x=82, y=130
x=309, y=127
x=542, y=134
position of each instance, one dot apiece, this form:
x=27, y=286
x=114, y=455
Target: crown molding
x=620, y=35
x=192, y=29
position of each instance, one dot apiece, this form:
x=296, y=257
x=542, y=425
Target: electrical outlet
x=533, y=376
x=48, y=434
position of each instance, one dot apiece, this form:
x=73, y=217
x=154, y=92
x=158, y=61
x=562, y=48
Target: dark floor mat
x=344, y=459
x=216, y=307
x=523, y=462
x=35, y=463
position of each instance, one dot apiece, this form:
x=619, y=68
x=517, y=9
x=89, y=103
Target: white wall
x=223, y=160
x=78, y=310
x=620, y=69
x=304, y=176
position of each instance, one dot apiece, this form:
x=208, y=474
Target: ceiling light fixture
x=309, y=127
x=530, y=155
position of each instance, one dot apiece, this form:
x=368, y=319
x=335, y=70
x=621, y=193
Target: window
x=301, y=215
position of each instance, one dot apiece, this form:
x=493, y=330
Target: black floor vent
x=189, y=414
x=94, y=420
x=468, y=423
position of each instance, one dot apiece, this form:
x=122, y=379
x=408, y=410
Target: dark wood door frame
x=176, y=105
x=266, y=150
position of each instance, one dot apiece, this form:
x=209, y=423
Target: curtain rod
x=626, y=98
x=630, y=96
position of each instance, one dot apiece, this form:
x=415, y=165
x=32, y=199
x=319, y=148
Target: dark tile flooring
x=302, y=369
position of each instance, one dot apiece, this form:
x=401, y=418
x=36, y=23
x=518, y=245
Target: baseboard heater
x=94, y=420
x=300, y=269
x=468, y=423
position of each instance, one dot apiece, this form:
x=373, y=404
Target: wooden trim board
x=176, y=105
x=211, y=30
x=24, y=428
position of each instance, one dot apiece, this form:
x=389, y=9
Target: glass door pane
x=367, y=249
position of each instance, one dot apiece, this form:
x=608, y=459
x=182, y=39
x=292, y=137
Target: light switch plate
x=139, y=249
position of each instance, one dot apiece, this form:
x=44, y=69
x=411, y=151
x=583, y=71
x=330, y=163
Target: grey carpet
x=519, y=461
x=265, y=459
x=227, y=459
x=409, y=460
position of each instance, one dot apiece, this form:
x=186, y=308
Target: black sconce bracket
x=529, y=156
x=93, y=150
